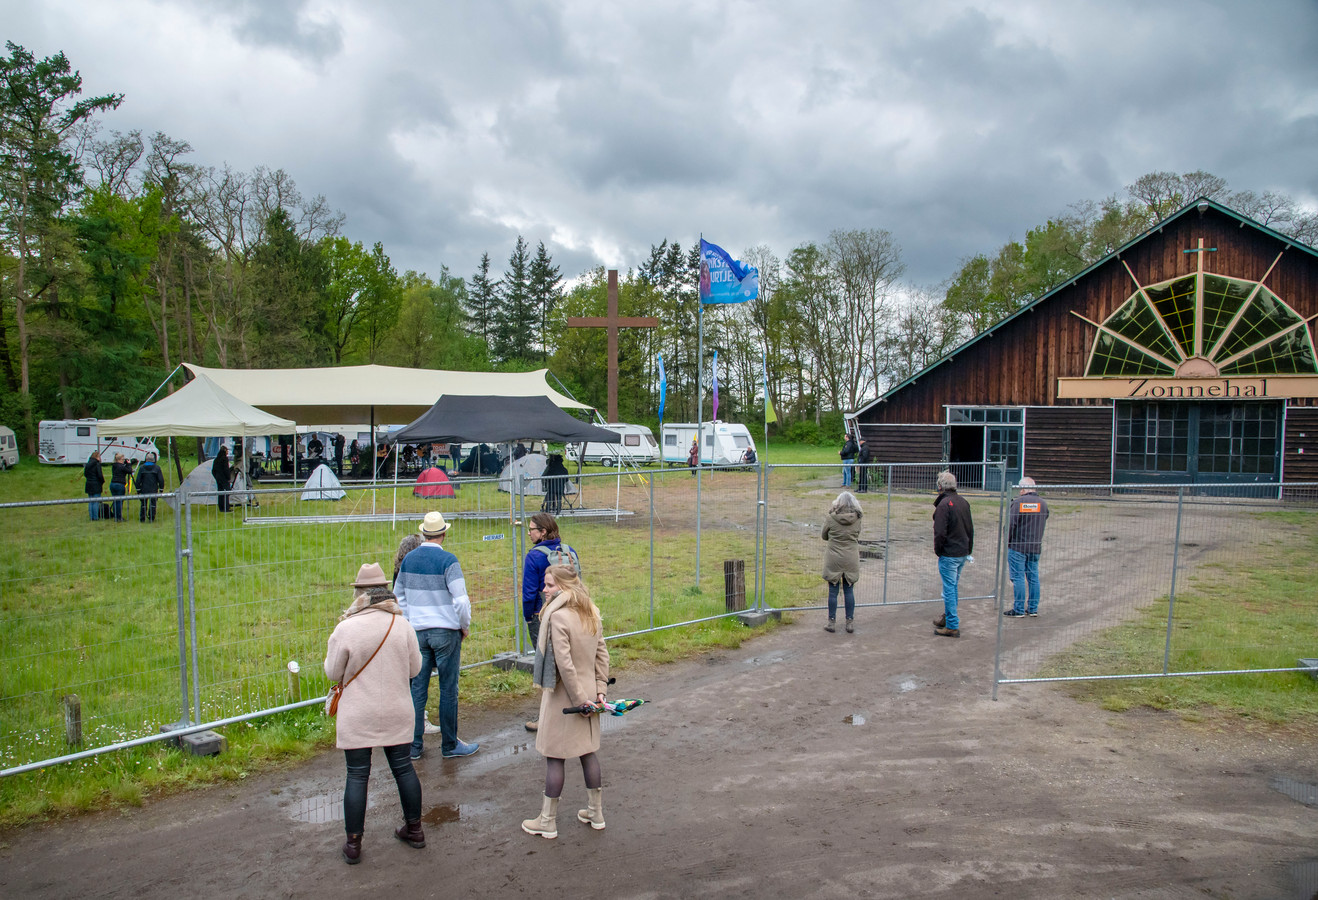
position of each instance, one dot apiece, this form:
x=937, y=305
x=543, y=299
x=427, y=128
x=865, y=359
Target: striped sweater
x=431, y=590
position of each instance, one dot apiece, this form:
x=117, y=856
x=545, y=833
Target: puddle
x=447, y=813
x=321, y=809
x=854, y=719
x=765, y=660
x=1297, y=790
x=1305, y=877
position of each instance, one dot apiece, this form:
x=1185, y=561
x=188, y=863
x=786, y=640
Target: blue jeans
x=1024, y=569
x=441, y=648
x=846, y=471
x=94, y=505
x=118, y=490
x=949, y=568
x=848, y=598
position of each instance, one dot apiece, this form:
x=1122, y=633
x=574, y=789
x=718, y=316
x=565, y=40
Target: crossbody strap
x=392, y=619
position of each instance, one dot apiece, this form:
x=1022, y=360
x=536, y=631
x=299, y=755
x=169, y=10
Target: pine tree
x=482, y=303
x=546, y=290
x=515, y=317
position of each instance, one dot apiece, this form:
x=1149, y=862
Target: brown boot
x=545, y=824
x=533, y=726
x=411, y=834
x=941, y=621
x=352, y=849
x=948, y=632
x=593, y=814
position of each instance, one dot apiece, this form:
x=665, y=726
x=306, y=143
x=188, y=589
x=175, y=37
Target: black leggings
x=556, y=773
x=359, y=770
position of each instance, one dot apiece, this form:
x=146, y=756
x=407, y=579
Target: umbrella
x=614, y=708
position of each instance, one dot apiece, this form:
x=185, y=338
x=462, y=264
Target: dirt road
x=804, y=764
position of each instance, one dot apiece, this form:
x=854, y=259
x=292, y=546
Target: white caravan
x=8, y=448
x=68, y=442
x=725, y=444
x=638, y=447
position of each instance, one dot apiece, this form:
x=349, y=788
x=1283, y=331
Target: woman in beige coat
x=374, y=653
x=842, y=556
x=572, y=669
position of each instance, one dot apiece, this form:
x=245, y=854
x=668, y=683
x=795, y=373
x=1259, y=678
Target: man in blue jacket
x=549, y=549
x=433, y=597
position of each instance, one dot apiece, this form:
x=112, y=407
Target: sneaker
x=1012, y=614
x=948, y=632
x=1034, y=614
x=831, y=626
x=532, y=726
x=431, y=728
x=461, y=749
x=940, y=621
x=417, y=754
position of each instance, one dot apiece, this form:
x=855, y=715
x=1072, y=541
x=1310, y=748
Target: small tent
x=322, y=485
x=432, y=482
x=202, y=479
x=531, y=467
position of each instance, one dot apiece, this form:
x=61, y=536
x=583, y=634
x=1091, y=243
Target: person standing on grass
x=150, y=480
x=842, y=556
x=220, y=471
x=571, y=670
x=120, y=473
x=373, y=653
x=954, y=541
x=863, y=457
x=409, y=543
x=93, y=484
x=433, y=596
x=1029, y=515
x=848, y=455
x=549, y=550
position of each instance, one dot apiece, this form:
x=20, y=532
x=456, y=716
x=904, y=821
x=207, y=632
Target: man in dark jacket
x=1029, y=514
x=223, y=478
x=954, y=541
x=848, y=454
x=150, y=480
x=94, y=480
x=864, y=458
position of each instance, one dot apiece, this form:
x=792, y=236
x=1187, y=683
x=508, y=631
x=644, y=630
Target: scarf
x=362, y=603
x=544, y=671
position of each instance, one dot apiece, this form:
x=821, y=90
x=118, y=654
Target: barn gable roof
x=1074, y=279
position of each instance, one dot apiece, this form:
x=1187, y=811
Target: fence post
x=192, y=606
x=759, y=492
x=180, y=555
x=999, y=573
x=1171, y=595
x=518, y=546
x=887, y=537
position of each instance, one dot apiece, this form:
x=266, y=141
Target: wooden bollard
x=734, y=584
x=72, y=719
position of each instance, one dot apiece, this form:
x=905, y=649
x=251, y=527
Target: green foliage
x=292, y=321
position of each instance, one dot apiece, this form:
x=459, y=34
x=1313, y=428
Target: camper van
x=68, y=442
x=725, y=443
x=8, y=448
x=638, y=447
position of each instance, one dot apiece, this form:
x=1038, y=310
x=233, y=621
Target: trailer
x=726, y=444
x=638, y=447
x=69, y=442
x=8, y=448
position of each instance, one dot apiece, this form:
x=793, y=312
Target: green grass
x=1226, y=617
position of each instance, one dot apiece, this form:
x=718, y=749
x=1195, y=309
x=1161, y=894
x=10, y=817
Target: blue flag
x=724, y=279
x=663, y=389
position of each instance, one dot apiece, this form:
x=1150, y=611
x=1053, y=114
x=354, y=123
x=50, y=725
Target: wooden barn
x=1184, y=357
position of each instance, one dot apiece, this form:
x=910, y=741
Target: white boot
x=546, y=825
x=593, y=815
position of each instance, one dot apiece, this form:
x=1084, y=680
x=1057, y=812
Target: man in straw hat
x=433, y=596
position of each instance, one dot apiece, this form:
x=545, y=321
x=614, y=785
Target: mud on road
x=803, y=764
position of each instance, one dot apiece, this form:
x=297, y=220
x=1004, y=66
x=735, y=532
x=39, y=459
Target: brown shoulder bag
x=336, y=689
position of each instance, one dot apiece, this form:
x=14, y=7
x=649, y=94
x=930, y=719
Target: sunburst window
x=1203, y=325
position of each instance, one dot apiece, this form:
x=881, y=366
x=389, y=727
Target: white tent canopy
x=322, y=485
x=201, y=408
x=370, y=393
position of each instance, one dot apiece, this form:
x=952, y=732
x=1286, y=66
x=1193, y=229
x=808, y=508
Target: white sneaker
x=431, y=727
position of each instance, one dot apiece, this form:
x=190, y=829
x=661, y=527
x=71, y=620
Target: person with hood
x=842, y=556
x=121, y=473
x=848, y=454
x=548, y=550
x=220, y=471
x=954, y=541
x=373, y=654
x=94, y=484
x=864, y=458
x=150, y=480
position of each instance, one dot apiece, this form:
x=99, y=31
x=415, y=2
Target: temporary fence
x=1154, y=580
x=115, y=632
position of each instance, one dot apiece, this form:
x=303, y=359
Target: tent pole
x=168, y=378
x=393, y=520
x=373, y=458
x=700, y=419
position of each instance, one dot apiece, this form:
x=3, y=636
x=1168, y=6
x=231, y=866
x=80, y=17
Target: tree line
x=121, y=256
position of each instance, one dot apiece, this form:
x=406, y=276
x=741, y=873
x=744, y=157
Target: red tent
x=432, y=482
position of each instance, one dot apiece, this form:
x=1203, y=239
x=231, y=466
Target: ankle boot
x=546, y=824
x=352, y=849
x=850, y=626
x=593, y=814
x=831, y=626
x=411, y=834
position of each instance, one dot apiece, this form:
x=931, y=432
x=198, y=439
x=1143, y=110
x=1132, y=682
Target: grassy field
x=91, y=609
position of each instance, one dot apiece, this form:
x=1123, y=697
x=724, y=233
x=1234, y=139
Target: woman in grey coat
x=842, y=556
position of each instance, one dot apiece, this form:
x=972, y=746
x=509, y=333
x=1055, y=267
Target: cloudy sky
x=601, y=128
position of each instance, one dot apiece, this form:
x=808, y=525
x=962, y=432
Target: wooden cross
x=612, y=322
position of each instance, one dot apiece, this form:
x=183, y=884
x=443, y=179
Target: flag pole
x=700, y=395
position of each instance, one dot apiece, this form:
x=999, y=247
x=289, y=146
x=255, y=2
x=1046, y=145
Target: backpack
x=561, y=556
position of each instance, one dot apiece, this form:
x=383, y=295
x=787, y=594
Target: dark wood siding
x=1301, y=434
x=1019, y=361
x=1069, y=444
x=904, y=443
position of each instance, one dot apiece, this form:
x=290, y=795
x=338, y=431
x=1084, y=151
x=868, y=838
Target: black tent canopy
x=484, y=419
